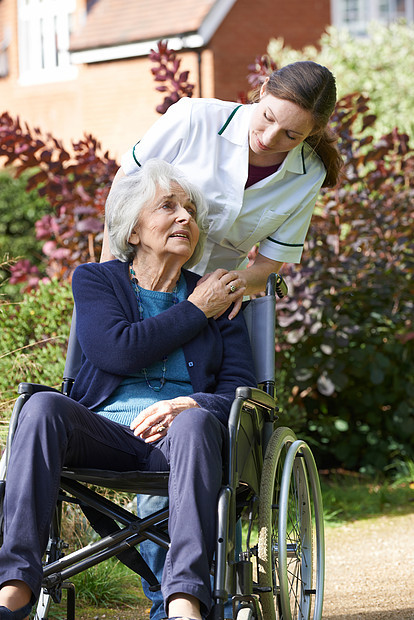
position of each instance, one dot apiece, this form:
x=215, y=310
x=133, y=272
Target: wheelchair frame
x=269, y=475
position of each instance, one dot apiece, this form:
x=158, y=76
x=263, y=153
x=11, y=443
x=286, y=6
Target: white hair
x=133, y=192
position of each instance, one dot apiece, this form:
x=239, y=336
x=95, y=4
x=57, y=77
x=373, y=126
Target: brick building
x=75, y=66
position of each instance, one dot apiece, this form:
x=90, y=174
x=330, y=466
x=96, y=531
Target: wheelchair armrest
x=32, y=388
x=256, y=396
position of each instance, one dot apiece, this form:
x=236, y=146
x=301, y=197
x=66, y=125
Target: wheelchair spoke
x=287, y=555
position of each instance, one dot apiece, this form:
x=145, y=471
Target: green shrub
x=347, y=335
x=379, y=66
x=34, y=333
x=19, y=210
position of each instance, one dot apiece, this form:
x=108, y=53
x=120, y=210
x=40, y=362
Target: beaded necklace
x=175, y=300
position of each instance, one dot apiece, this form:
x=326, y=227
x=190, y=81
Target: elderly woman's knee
x=196, y=422
x=42, y=407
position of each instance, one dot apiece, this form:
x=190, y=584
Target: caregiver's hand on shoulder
x=216, y=291
x=154, y=421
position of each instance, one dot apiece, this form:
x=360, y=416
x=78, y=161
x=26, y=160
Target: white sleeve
x=164, y=139
x=285, y=245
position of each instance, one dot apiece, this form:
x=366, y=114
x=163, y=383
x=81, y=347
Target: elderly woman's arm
x=119, y=343
x=231, y=369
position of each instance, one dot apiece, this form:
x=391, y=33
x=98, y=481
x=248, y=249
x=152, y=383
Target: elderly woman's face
x=167, y=226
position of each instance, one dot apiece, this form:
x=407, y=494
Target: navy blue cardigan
x=116, y=344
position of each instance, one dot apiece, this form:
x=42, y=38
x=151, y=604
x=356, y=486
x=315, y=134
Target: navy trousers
x=56, y=431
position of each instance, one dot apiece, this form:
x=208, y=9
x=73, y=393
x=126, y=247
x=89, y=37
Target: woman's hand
x=216, y=291
x=250, y=281
x=154, y=421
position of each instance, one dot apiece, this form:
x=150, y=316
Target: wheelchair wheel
x=291, y=548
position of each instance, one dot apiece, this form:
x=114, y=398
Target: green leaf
x=341, y=425
x=376, y=375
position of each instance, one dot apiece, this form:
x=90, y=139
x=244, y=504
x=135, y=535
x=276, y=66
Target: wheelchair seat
x=145, y=482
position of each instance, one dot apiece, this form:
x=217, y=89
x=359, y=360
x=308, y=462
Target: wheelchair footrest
x=246, y=601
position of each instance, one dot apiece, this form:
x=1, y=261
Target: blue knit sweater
x=115, y=344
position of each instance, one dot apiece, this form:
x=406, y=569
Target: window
x=44, y=31
x=355, y=15
x=4, y=52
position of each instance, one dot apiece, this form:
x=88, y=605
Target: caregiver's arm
x=255, y=276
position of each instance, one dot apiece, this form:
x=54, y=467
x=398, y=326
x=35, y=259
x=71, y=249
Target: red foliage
x=259, y=70
x=167, y=71
x=76, y=186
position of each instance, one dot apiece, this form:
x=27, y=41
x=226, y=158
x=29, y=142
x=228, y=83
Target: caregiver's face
x=276, y=127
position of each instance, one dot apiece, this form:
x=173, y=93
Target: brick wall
x=248, y=28
x=118, y=99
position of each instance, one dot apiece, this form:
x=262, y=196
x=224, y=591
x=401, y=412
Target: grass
x=108, y=590
x=348, y=496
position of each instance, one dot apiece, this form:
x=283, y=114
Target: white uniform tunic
x=208, y=140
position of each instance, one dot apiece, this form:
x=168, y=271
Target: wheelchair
x=270, y=482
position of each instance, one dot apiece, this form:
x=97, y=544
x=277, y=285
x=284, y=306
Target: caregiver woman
x=260, y=167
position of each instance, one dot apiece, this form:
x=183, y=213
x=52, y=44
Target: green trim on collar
x=229, y=119
x=289, y=245
x=133, y=155
x=302, y=152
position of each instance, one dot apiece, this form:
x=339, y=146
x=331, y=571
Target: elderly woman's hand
x=216, y=291
x=154, y=421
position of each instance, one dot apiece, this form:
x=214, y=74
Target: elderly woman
x=154, y=391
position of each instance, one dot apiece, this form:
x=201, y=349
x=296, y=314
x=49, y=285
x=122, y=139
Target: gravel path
x=370, y=570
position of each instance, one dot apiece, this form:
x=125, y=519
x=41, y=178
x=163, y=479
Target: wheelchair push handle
x=276, y=285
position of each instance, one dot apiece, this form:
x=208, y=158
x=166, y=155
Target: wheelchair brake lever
x=276, y=285
x=281, y=287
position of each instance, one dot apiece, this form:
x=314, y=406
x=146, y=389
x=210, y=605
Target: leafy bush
x=19, y=210
x=76, y=187
x=347, y=332
x=34, y=335
x=379, y=66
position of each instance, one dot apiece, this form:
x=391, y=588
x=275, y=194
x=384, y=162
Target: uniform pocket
x=267, y=225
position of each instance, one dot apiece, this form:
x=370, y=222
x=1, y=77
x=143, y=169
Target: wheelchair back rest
x=260, y=317
x=73, y=355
